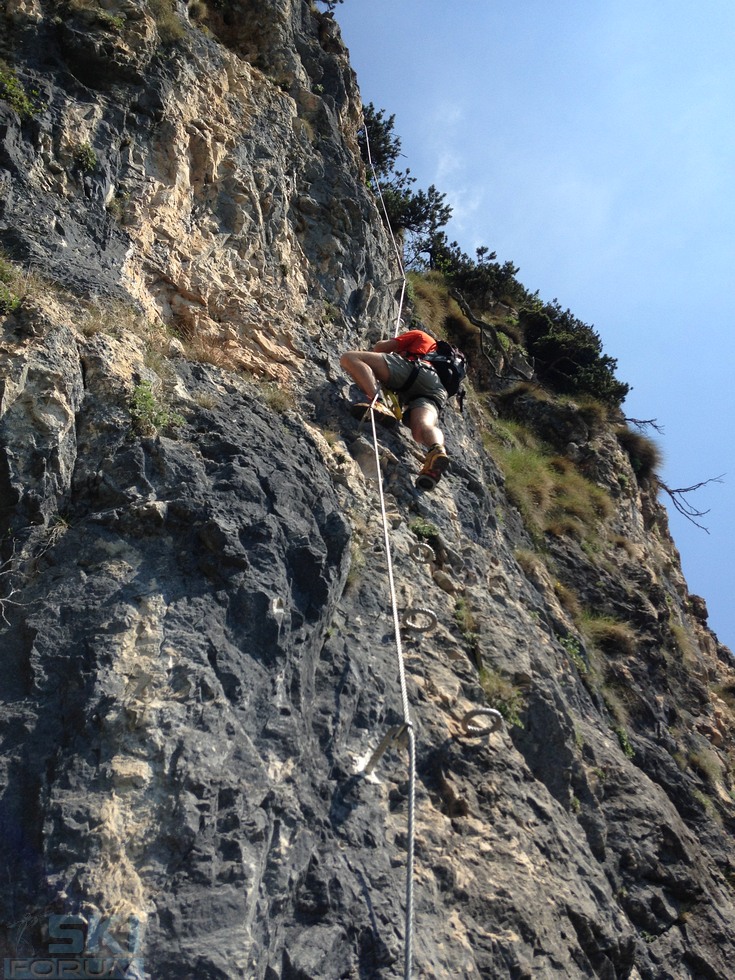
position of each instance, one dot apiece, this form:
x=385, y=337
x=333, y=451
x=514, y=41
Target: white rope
x=407, y=723
x=399, y=257
x=421, y=552
x=406, y=709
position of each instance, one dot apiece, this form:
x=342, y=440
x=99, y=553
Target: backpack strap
x=410, y=379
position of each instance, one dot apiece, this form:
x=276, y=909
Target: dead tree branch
x=683, y=505
x=18, y=566
x=642, y=424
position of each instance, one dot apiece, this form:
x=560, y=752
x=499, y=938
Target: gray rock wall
x=197, y=638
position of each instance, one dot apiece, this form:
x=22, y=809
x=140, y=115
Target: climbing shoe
x=435, y=465
x=383, y=415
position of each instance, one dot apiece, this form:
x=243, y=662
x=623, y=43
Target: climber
x=398, y=366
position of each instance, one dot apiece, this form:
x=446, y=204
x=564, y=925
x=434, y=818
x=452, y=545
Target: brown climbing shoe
x=435, y=465
x=383, y=415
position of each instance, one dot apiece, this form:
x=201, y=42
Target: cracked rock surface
x=197, y=640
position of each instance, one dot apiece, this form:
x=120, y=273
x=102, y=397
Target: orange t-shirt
x=415, y=342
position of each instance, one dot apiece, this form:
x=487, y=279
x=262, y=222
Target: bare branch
x=493, y=330
x=19, y=563
x=642, y=424
x=7, y=569
x=684, y=507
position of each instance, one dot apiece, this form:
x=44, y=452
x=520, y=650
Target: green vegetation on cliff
x=567, y=353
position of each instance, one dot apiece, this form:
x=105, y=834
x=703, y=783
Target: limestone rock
x=199, y=649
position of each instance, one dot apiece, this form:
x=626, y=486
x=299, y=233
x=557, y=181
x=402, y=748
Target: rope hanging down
x=404, y=733
x=406, y=729
x=399, y=257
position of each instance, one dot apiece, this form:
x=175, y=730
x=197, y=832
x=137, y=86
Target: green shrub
x=8, y=302
x=148, y=413
x=424, y=529
x=418, y=213
x=85, y=159
x=574, y=650
x=568, y=355
x=13, y=92
x=624, y=742
x=482, y=280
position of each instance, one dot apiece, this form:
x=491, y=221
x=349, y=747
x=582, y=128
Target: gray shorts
x=427, y=389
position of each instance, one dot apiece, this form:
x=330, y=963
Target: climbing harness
x=393, y=404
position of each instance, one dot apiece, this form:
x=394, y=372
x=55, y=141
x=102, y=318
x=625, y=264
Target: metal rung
x=410, y=622
x=476, y=730
x=422, y=552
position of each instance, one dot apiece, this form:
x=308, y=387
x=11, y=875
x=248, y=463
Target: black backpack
x=450, y=364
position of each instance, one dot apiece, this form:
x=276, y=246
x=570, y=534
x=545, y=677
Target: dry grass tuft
x=278, y=398
x=503, y=695
x=568, y=600
x=431, y=299
x=610, y=636
x=206, y=349
x=645, y=456
x=551, y=494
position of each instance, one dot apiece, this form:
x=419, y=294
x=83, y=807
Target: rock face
x=197, y=639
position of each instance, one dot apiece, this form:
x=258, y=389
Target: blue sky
x=593, y=145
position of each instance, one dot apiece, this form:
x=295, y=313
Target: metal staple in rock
x=422, y=552
x=469, y=729
x=411, y=622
